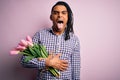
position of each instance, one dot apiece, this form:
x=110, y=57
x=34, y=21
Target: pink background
x=96, y=24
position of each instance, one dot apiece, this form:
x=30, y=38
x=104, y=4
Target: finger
x=64, y=65
x=39, y=59
x=62, y=68
x=58, y=55
x=64, y=61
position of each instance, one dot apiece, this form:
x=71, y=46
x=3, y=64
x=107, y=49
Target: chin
x=59, y=30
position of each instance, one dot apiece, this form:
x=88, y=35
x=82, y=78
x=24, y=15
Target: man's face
x=59, y=16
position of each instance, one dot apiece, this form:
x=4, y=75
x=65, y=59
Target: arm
x=34, y=63
x=76, y=62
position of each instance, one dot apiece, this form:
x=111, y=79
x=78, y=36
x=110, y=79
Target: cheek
x=54, y=17
x=66, y=19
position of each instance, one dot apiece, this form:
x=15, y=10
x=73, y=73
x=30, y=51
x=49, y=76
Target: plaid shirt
x=70, y=50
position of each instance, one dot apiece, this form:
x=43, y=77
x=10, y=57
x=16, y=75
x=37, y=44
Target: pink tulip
x=28, y=38
x=14, y=52
x=29, y=43
x=23, y=43
x=20, y=48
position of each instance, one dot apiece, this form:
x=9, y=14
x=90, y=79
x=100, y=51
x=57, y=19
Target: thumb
x=51, y=55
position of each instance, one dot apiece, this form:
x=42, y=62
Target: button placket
x=58, y=44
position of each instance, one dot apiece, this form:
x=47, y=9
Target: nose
x=60, y=15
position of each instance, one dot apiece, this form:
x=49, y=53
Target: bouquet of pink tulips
x=30, y=50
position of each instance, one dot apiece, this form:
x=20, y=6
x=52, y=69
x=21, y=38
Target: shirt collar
x=51, y=31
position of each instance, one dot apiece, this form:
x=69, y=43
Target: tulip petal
x=28, y=38
x=23, y=43
x=14, y=52
x=20, y=47
x=29, y=43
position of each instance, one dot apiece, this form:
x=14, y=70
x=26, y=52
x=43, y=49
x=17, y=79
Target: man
x=61, y=43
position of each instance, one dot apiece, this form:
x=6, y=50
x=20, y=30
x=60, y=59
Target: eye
x=64, y=12
x=55, y=12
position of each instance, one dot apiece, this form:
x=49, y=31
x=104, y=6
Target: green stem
x=27, y=54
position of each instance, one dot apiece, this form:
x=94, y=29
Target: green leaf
x=27, y=58
x=32, y=51
x=37, y=52
x=26, y=54
x=42, y=54
x=43, y=50
x=54, y=71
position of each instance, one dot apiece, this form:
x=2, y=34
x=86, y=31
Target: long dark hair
x=70, y=19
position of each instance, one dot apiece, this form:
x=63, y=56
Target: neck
x=57, y=32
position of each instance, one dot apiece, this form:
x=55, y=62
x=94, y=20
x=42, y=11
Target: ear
x=51, y=17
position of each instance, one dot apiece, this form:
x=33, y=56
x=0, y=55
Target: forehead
x=59, y=8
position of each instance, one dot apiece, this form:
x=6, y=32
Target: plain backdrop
x=96, y=23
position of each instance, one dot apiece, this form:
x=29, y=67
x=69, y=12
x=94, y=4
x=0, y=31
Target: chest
x=57, y=44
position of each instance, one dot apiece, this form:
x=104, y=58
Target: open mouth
x=59, y=21
x=60, y=24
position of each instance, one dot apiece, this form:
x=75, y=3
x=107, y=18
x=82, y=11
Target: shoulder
x=74, y=37
x=39, y=35
x=42, y=32
x=75, y=40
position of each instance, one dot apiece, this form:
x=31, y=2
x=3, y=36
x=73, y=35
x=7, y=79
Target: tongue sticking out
x=60, y=25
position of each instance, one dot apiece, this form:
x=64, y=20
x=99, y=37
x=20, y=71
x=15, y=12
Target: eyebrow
x=59, y=11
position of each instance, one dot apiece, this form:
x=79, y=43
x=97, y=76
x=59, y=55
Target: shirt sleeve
x=34, y=63
x=76, y=62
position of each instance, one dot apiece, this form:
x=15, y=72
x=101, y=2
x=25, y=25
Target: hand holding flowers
x=30, y=50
